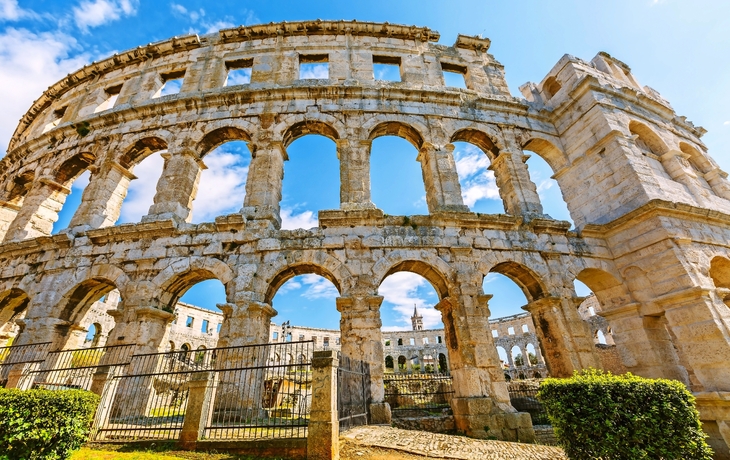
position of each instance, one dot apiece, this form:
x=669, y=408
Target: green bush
x=43, y=424
x=613, y=417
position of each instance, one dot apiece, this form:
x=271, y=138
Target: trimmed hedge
x=44, y=424
x=612, y=417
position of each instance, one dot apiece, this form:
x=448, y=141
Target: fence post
x=324, y=426
x=196, y=413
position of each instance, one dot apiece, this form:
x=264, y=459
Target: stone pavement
x=446, y=446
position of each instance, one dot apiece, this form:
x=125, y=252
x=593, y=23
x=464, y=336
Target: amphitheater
x=651, y=207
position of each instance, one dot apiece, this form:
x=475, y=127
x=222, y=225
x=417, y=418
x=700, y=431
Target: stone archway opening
x=84, y=314
x=306, y=307
x=145, y=160
x=13, y=306
x=73, y=177
x=473, y=154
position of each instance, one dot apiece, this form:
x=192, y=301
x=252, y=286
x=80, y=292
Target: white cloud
x=211, y=27
x=727, y=123
x=93, y=13
x=290, y=285
x=314, y=71
x=222, y=186
x=141, y=192
x=477, y=182
x=401, y=290
x=318, y=288
x=29, y=63
x=10, y=11
x=304, y=219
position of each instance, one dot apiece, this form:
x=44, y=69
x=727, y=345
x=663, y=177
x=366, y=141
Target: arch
x=13, y=302
x=172, y=282
x=402, y=362
x=548, y=151
x=648, y=137
x=720, y=272
x=525, y=278
x=96, y=336
x=19, y=186
x=551, y=87
x=696, y=158
x=607, y=287
x=305, y=127
x=434, y=269
x=300, y=269
x=171, y=345
x=76, y=301
x=443, y=364
x=399, y=129
x=478, y=138
x=220, y=136
x=389, y=363
x=140, y=150
x=185, y=347
x=72, y=168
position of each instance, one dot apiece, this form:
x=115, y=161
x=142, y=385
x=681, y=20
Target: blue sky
x=679, y=48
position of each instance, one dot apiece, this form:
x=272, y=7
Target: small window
x=387, y=342
x=337, y=340
x=425, y=340
x=56, y=120
x=413, y=341
x=275, y=336
x=239, y=72
x=454, y=75
x=218, y=328
x=111, y=98
x=438, y=339
x=400, y=341
x=171, y=83
x=288, y=337
x=511, y=331
x=204, y=327
x=301, y=337
x=326, y=342
x=314, y=67
x=386, y=68
x=495, y=333
x=525, y=328
x=592, y=311
x=189, y=321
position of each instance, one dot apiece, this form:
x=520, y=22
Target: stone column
x=518, y=192
x=177, y=187
x=197, y=411
x=443, y=191
x=481, y=402
x=354, y=174
x=361, y=339
x=39, y=211
x=644, y=343
x=102, y=200
x=323, y=435
x=263, y=187
x=245, y=324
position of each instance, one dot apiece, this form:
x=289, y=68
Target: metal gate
x=353, y=393
x=22, y=359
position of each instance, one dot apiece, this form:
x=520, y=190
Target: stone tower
x=416, y=319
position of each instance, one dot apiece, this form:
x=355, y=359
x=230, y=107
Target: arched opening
x=473, y=152
x=93, y=335
x=396, y=175
x=503, y=358
x=145, y=160
x=86, y=305
x=548, y=189
x=389, y=364
x=311, y=174
x=531, y=355
x=651, y=146
x=402, y=364
x=551, y=87
x=443, y=364
x=600, y=337
x=306, y=302
x=408, y=303
x=517, y=357
x=720, y=272
x=13, y=306
x=73, y=175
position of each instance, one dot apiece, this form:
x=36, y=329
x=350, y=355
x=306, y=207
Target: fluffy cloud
x=402, y=291
x=222, y=186
x=94, y=13
x=10, y=11
x=197, y=17
x=141, y=192
x=312, y=71
x=29, y=63
x=477, y=182
x=304, y=219
x=318, y=288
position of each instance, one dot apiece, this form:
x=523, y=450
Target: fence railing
x=418, y=391
x=353, y=392
x=525, y=400
x=242, y=392
x=22, y=358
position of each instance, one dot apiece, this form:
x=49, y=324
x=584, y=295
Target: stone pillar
x=177, y=187
x=564, y=337
x=324, y=425
x=102, y=200
x=361, y=338
x=644, y=343
x=518, y=192
x=354, y=174
x=8, y=213
x=39, y=211
x=197, y=411
x=717, y=178
x=481, y=402
x=245, y=324
x=443, y=191
x=263, y=187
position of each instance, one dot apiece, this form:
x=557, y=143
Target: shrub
x=44, y=424
x=603, y=416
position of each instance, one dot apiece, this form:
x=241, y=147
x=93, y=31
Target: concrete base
x=480, y=417
x=380, y=414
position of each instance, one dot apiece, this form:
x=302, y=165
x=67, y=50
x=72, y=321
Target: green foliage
x=43, y=424
x=83, y=128
x=608, y=417
x=86, y=358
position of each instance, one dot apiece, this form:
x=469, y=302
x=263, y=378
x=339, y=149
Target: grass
x=162, y=451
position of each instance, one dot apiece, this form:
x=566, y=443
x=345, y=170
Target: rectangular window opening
x=314, y=67
x=386, y=68
x=454, y=75
x=111, y=98
x=438, y=339
x=275, y=336
x=425, y=340
x=218, y=328
x=301, y=337
x=239, y=72
x=387, y=342
x=189, y=322
x=326, y=342
x=413, y=341
x=171, y=83
x=204, y=327
x=495, y=333
x=56, y=119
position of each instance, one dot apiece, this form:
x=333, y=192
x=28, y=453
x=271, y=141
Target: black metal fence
x=418, y=391
x=353, y=392
x=256, y=391
x=525, y=400
x=22, y=358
